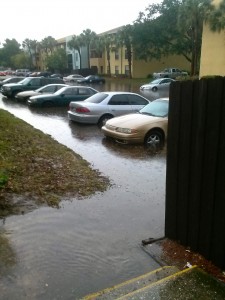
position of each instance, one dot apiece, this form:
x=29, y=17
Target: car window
x=84, y=91
x=72, y=91
x=35, y=81
x=136, y=100
x=50, y=89
x=156, y=108
x=97, y=98
x=119, y=100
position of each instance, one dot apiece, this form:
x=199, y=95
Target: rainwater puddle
x=85, y=245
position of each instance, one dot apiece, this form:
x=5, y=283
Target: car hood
x=45, y=96
x=147, y=85
x=12, y=84
x=133, y=120
x=28, y=93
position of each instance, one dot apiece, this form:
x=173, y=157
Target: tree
x=124, y=38
x=174, y=27
x=86, y=38
x=20, y=60
x=48, y=44
x=9, y=49
x=75, y=44
x=31, y=46
x=57, y=62
x=107, y=42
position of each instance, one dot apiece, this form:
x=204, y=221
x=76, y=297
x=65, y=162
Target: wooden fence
x=195, y=179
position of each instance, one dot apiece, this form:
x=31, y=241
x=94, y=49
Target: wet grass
x=36, y=168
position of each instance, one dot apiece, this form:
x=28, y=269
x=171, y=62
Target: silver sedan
x=157, y=84
x=103, y=106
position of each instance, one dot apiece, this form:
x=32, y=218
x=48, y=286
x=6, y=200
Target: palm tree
x=86, y=38
x=48, y=44
x=124, y=38
x=75, y=44
x=192, y=15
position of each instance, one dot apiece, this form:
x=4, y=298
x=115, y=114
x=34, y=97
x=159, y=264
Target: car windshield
x=156, y=81
x=25, y=81
x=96, y=98
x=157, y=108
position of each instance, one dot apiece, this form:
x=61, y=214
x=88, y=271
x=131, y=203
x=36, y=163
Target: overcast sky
x=37, y=19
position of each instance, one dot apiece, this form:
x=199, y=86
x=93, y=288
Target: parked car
x=11, y=80
x=2, y=73
x=105, y=105
x=72, y=78
x=62, y=97
x=27, y=84
x=148, y=127
x=157, y=84
x=91, y=79
x=21, y=72
x=56, y=76
x=47, y=89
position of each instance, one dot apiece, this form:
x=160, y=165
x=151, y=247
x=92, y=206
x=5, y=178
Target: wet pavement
x=86, y=245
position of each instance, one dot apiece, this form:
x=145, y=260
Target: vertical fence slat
x=172, y=152
x=184, y=159
x=211, y=137
x=218, y=240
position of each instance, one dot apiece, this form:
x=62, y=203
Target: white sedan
x=72, y=78
x=103, y=106
x=158, y=84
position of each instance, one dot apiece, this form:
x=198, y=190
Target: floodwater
x=90, y=244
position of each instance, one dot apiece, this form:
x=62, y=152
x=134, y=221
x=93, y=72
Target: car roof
x=116, y=93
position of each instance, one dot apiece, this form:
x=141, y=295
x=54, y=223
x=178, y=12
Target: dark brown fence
x=195, y=179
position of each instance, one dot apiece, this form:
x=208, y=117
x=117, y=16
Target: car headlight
x=7, y=88
x=126, y=130
x=32, y=100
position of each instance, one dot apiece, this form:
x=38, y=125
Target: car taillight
x=82, y=110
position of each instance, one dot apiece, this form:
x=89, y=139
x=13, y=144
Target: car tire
x=154, y=89
x=154, y=140
x=14, y=94
x=103, y=120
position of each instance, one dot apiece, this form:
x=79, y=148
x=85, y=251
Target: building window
x=116, y=70
x=126, y=70
x=108, y=70
x=126, y=56
x=116, y=54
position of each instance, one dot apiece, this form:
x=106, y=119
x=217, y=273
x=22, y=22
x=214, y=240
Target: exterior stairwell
x=167, y=283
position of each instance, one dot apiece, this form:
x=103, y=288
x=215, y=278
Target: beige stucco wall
x=142, y=69
x=213, y=51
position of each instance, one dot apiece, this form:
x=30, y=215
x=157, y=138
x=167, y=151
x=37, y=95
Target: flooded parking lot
x=89, y=244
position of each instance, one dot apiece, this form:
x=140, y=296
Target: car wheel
x=104, y=119
x=154, y=89
x=14, y=93
x=154, y=140
x=47, y=104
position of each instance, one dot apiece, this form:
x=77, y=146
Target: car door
x=84, y=93
x=70, y=94
x=137, y=102
x=164, y=84
x=119, y=105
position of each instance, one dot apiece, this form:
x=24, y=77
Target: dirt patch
x=176, y=254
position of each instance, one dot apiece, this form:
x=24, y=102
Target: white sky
x=37, y=19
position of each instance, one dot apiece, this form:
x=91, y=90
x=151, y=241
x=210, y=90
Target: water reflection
x=7, y=253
